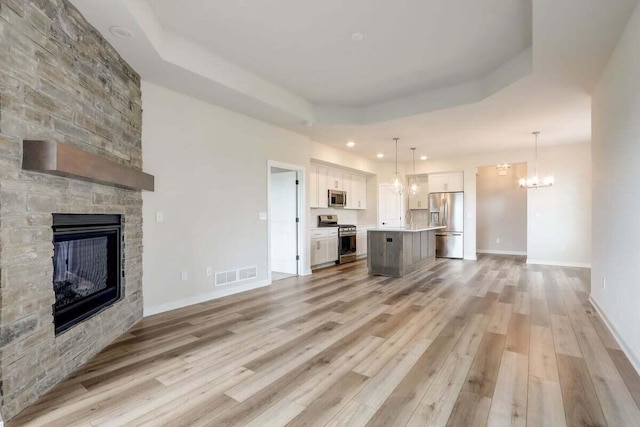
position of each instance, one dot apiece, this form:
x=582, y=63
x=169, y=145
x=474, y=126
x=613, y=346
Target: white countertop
x=409, y=229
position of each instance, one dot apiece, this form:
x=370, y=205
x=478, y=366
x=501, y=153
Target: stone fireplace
x=61, y=81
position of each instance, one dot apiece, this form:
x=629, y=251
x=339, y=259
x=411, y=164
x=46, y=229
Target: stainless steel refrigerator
x=448, y=209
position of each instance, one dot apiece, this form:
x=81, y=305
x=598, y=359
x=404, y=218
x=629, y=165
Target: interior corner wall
x=211, y=174
x=502, y=211
x=616, y=201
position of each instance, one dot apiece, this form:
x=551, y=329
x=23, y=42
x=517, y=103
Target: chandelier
x=534, y=181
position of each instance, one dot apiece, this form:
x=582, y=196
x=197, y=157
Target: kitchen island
x=396, y=252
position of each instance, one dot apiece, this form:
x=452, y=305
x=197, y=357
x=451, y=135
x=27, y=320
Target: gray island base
x=396, y=252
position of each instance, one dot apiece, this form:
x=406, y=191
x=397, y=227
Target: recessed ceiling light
x=423, y=157
x=379, y=155
x=351, y=144
x=122, y=32
x=357, y=37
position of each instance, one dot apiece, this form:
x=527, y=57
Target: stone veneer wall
x=59, y=80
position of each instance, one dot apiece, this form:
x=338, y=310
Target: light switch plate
x=184, y=276
x=159, y=216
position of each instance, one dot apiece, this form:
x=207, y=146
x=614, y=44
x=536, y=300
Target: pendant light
x=396, y=184
x=414, y=187
x=534, y=181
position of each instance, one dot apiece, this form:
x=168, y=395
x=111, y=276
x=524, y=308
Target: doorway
x=501, y=205
x=284, y=219
x=390, y=207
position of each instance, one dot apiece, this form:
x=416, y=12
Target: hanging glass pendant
x=396, y=184
x=414, y=185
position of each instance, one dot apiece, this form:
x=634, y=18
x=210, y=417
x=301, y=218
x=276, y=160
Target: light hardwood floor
x=493, y=342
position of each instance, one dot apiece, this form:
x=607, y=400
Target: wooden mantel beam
x=56, y=158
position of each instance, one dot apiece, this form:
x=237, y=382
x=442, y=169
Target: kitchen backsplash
x=420, y=215
x=345, y=216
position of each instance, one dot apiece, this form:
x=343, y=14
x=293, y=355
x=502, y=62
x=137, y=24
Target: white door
x=390, y=208
x=284, y=237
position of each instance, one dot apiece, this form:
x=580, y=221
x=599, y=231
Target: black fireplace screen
x=86, y=266
x=79, y=269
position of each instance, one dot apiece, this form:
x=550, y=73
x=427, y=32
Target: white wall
x=211, y=168
x=502, y=211
x=211, y=173
x=616, y=193
x=558, y=218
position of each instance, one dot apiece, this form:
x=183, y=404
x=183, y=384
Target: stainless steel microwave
x=337, y=199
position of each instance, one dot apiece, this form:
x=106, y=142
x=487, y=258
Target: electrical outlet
x=209, y=271
x=184, y=276
x=498, y=240
x=604, y=282
x=159, y=216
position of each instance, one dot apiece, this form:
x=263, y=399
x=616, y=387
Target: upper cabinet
x=337, y=180
x=318, y=196
x=446, y=182
x=323, y=178
x=420, y=200
x=357, y=192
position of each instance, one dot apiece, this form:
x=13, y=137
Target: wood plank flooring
x=461, y=343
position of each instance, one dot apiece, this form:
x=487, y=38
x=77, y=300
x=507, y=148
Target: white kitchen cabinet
x=332, y=249
x=336, y=179
x=318, y=186
x=361, y=243
x=324, y=246
x=313, y=187
x=421, y=200
x=318, y=251
x=446, y=182
x=323, y=195
x=322, y=179
x=356, y=192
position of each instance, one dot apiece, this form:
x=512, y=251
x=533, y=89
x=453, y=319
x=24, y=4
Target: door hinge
x=297, y=182
x=297, y=257
x=297, y=219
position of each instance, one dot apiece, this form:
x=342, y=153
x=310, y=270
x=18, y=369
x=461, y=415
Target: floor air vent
x=233, y=276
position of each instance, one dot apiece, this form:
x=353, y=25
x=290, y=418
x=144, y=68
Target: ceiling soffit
x=173, y=61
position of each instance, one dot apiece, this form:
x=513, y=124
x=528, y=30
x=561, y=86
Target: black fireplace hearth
x=86, y=266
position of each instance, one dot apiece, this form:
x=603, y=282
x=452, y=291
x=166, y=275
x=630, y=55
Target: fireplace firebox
x=86, y=266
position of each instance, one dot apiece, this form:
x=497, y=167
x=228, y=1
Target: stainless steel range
x=346, y=237
x=346, y=243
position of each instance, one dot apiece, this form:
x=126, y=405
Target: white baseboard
x=559, y=263
x=635, y=362
x=197, y=299
x=492, y=252
x=471, y=258
x=306, y=273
